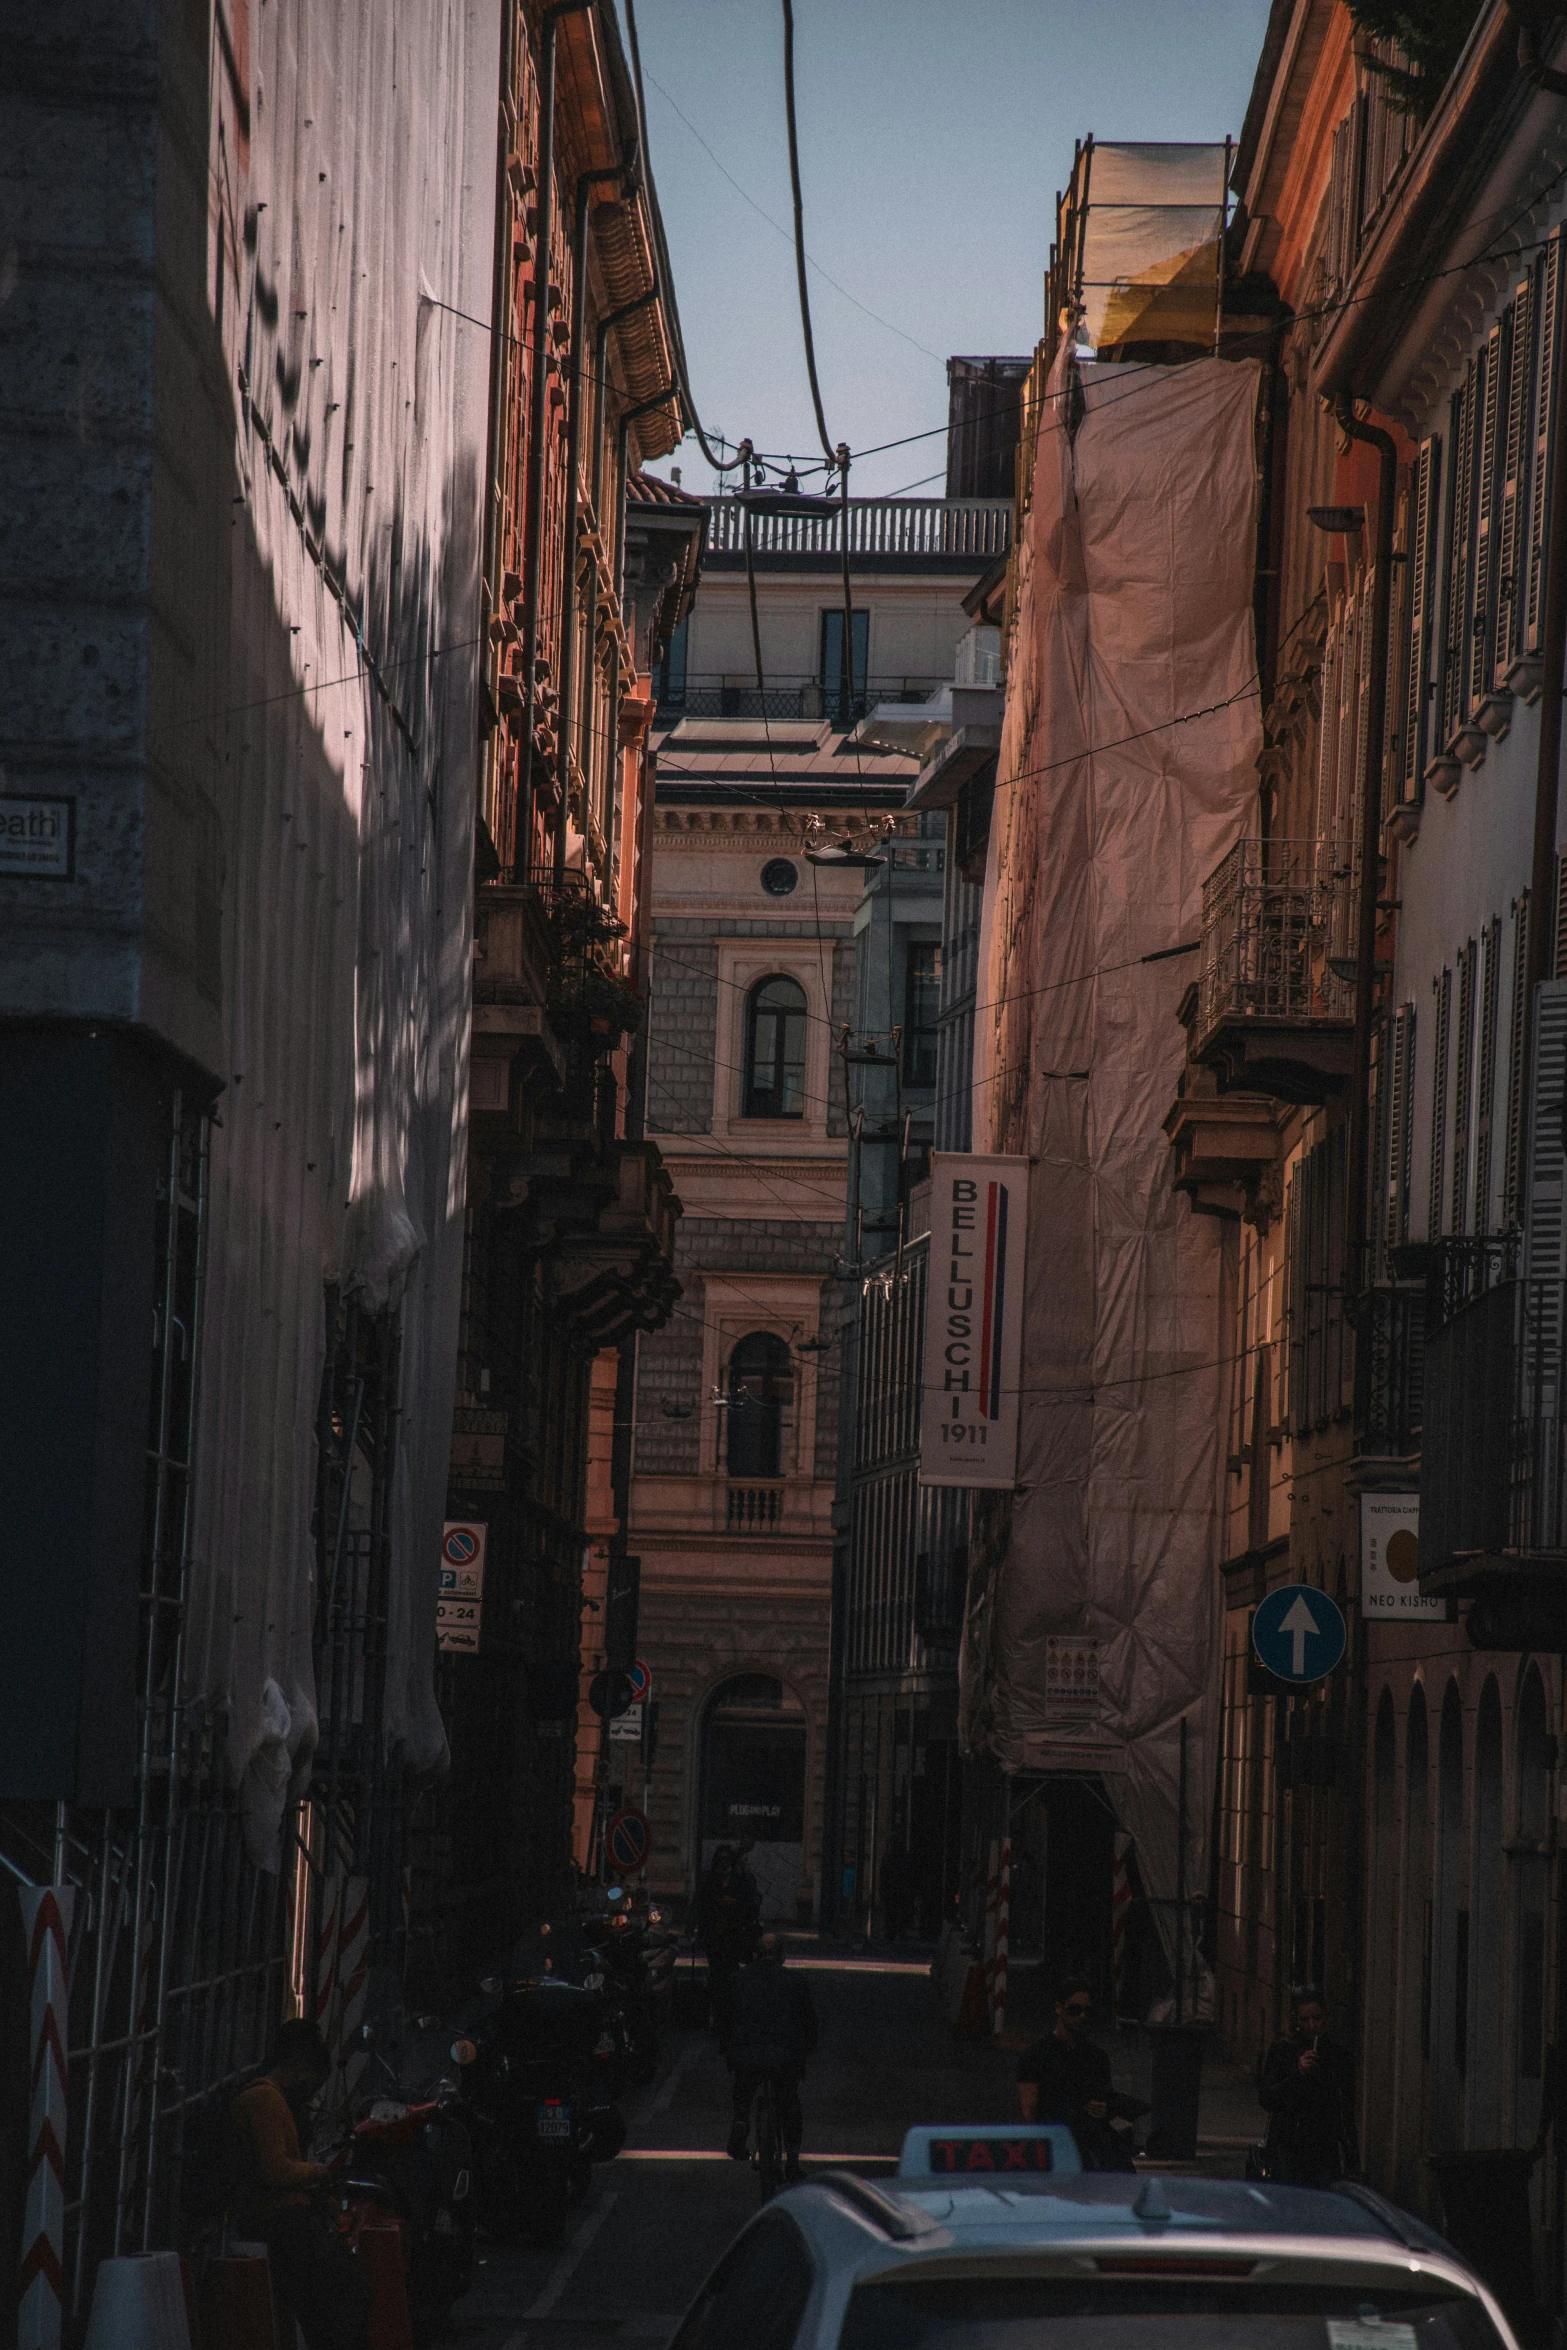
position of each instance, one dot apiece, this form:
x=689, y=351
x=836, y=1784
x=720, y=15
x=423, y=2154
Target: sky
x=934, y=135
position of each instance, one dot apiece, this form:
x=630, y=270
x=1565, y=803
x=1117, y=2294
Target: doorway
x=753, y=1787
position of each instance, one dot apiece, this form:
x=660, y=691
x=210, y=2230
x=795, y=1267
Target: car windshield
x=1036, y=2313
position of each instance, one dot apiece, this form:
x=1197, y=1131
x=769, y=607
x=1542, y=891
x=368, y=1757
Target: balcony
x=754, y=1507
x=1275, y=1012
x=1389, y=1373
x=1225, y=1145
x=885, y=534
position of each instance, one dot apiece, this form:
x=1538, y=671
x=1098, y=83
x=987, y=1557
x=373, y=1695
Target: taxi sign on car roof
x=982, y=2151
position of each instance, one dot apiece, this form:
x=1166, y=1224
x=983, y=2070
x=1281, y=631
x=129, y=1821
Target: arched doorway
x=753, y=1786
x=1487, y=1909
x=1450, y=1987
x=1531, y=1886
x=1382, y=1913
x=1415, y=1954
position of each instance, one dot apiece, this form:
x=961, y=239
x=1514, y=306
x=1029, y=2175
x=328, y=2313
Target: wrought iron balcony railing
x=1390, y=1333
x=1493, y=1477
x=1268, y=924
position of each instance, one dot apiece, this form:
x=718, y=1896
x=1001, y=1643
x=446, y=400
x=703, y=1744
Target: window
x=780, y=877
x=757, y=2295
x=921, y=1003
x=671, y=679
x=775, y=1050
x=761, y=1381
x=832, y=656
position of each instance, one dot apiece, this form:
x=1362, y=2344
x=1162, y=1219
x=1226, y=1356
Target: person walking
x=314, y=2276
x=772, y=2033
x=1307, y=2089
x=727, y=1911
x=1066, y=2078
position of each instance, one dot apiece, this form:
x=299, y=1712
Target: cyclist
x=772, y=2032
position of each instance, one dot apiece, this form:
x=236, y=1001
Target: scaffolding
x=184, y=1955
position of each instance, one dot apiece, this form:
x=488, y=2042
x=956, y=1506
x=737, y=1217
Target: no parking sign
x=626, y=1841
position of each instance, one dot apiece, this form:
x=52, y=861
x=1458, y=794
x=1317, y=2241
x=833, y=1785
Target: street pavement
x=658, y=2218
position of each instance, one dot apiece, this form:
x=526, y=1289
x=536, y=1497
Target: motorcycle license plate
x=554, y=2121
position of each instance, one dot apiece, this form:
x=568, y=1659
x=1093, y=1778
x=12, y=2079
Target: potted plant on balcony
x=591, y=1009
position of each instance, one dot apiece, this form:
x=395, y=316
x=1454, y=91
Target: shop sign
x=1390, y=1561
x=973, y=1320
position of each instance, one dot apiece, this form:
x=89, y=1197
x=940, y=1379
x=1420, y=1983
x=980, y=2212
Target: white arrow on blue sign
x=1298, y=1634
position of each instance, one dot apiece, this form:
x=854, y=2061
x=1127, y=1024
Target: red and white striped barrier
x=46, y=1924
x=1120, y=1910
x=326, y=1959
x=998, y=1971
x=353, y=1976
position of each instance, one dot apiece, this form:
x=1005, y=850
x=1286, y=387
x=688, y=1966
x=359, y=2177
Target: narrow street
x=658, y=2218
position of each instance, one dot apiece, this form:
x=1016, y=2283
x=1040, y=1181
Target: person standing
x=314, y=2276
x=1066, y=2078
x=772, y=2034
x=1307, y=2089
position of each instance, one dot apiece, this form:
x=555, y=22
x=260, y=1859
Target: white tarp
x=352, y=198
x=1134, y=612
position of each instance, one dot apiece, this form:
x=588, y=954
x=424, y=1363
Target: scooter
x=413, y=2160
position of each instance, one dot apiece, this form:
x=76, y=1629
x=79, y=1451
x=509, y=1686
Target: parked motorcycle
x=630, y=1961
x=414, y=2160
x=542, y=2103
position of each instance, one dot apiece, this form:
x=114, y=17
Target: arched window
x=775, y=1049
x=760, y=1384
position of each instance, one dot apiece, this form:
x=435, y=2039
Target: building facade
x=570, y=1213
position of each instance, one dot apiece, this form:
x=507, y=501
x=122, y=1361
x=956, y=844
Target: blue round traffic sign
x=626, y=1840
x=1298, y=1634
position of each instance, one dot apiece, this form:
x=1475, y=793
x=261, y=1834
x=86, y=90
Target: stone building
x=760, y=970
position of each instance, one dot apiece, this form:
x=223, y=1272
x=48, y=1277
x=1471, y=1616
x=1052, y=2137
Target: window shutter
x=1547, y=375
x=1544, y=1261
x=1463, y=1086
x=1379, y=1144
x=1422, y=572
x=1439, y=1041
x=1485, y=1102
x=1559, y=920
x=1515, y=461
x=1511, y=1170
x=1400, y=1130
x=1327, y=742
x=1492, y=380
x=1459, y=539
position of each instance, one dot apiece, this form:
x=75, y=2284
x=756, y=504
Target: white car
x=996, y=2239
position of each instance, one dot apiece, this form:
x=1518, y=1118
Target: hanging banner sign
x=973, y=1320
x=459, y=1609
x=1390, y=1561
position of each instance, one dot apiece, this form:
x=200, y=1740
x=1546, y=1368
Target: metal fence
x=1493, y=1477
x=1274, y=924
x=182, y=1953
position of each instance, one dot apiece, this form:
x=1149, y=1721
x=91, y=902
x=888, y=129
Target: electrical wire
x=645, y=174
x=799, y=248
x=825, y=275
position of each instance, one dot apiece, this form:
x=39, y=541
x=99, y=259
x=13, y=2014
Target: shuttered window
x=1485, y=1072
x=1440, y=1040
x=1512, y=1162
x=1327, y=735
x=1400, y=1133
x=1463, y=1086
x=1547, y=377
x=1513, y=489
x=1421, y=568
x=1321, y=1362
x=1460, y=547
x=1480, y=617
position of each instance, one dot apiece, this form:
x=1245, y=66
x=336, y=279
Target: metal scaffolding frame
x=184, y=1955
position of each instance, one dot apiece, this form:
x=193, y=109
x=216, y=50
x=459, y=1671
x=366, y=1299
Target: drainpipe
x=586, y=183
x=1370, y=836
x=538, y=386
x=1359, y=1270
